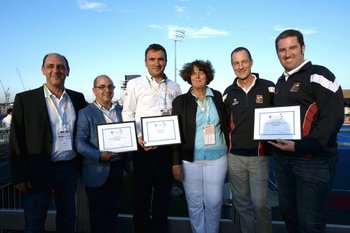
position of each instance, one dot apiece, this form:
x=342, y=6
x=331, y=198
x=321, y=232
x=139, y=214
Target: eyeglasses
x=102, y=87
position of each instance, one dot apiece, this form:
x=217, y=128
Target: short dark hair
x=64, y=58
x=205, y=66
x=155, y=47
x=9, y=110
x=241, y=49
x=290, y=33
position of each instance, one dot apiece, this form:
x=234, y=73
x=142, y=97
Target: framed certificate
x=117, y=137
x=277, y=123
x=160, y=130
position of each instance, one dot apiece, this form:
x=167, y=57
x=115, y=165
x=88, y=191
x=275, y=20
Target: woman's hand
x=142, y=143
x=178, y=172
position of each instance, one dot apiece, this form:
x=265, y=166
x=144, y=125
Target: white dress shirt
x=145, y=97
x=61, y=113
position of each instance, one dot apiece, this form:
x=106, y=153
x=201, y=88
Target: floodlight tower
x=176, y=35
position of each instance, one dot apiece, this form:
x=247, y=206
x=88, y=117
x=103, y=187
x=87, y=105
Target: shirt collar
x=289, y=73
x=250, y=87
x=48, y=93
x=103, y=108
x=149, y=77
x=208, y=92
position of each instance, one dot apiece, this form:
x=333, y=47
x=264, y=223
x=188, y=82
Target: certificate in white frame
x=117, y=137
x=160, y=130
x=277, y=123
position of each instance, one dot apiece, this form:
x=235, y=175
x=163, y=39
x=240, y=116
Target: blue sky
x=110, y=37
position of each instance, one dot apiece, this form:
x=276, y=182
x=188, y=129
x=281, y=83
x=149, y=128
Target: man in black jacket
x=42, y=156
x=248, y=167
x=305, y=168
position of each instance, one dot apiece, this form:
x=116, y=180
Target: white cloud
x=205, y=32
x=96, y=6
x=210, y=10
x=180, y=9
x=155, y=26
x=194, y=33
x=305, y=31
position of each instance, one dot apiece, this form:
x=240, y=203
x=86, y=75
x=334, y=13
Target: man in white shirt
x=6, y=122
x=151, y=95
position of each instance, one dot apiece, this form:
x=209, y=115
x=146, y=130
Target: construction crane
x=7, y=93
x=20, y=78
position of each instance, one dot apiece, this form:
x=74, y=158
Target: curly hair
x=205, y=66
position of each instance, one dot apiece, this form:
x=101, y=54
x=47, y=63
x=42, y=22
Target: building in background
x=123, y=85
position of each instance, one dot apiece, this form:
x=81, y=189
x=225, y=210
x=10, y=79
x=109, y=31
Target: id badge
x=165, y=112
x=209, y=135
x=64, y=139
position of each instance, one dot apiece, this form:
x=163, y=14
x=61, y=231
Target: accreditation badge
x=209, y=135
x=165, y=112
x=64, y=139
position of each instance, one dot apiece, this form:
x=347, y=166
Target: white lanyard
x=204, y=110
x=107, y=117
x=53, y=105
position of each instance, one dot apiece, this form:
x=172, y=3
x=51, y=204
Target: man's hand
x=23, y=187
x=107, y=155
x=142, y=143
x=284, y=145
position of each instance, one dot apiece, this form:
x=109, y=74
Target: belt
x=63, y=162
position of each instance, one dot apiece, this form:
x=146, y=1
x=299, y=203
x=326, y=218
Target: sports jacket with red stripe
x=240, y=105
x=320, y=97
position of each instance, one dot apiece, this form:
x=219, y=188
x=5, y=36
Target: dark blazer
x=185, y=107
x=30, y=143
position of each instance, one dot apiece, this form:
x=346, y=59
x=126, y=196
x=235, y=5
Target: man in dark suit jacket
x=42, y=156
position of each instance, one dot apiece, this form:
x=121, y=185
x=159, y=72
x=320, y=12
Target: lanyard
x=106, y=116
x=204, y=110
x=155, y=91
x=53, y=105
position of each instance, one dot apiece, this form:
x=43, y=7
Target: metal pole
x=176, y=35
x=175, y=60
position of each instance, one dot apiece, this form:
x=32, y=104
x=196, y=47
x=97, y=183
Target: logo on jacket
x=235, y=102
x=295, y=87
x=259, y=99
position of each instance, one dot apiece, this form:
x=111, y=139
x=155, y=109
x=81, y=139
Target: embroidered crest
x=295, y=87
x=259, y=99
x=235, y=102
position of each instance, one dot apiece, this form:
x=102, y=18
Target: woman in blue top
x=201, y=161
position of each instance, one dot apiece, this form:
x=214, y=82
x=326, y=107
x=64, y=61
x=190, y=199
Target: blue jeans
x=303, y=186
x=63, y=181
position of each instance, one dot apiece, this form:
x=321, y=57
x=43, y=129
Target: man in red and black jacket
x=248, y=169
x=305, y=168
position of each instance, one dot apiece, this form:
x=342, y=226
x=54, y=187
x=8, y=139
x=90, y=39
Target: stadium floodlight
x=176, y=34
